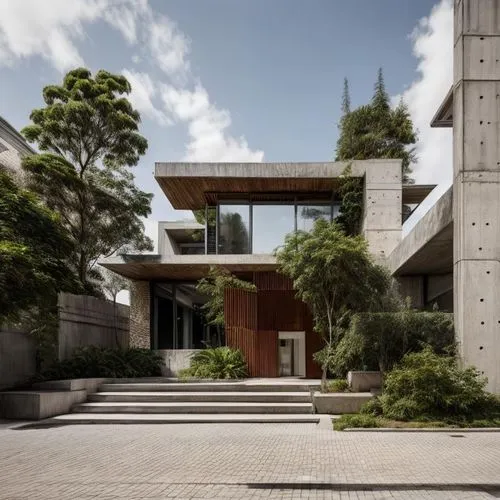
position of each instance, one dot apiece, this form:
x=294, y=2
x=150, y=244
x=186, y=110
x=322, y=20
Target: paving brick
x=243, y=461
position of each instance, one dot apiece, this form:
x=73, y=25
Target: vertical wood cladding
x=253, y=320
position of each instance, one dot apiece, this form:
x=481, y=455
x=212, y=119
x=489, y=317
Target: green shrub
x=358, y=420
x=372, y=407
x=425, y=386
x=377, y=341
x=336, y=385
x=217, y=363
x=92, y=361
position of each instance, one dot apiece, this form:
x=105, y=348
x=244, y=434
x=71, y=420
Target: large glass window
x=271, y=223
x=307, y=215
x=178, y=322
x=234, y=229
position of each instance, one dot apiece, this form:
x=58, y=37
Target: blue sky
x=242, y=80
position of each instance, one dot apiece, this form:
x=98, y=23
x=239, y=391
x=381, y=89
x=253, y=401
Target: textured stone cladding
x=140, y=314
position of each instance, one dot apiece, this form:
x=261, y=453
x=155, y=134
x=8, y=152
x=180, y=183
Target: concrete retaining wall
x=87, y=321
x=17, y=357
x=175, y=360
x=364, y=381
x=339, y=403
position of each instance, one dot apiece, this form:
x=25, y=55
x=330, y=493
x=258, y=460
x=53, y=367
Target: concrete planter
x=364, y=381
x=175, y=360
x=338, y=403
x=47, y=399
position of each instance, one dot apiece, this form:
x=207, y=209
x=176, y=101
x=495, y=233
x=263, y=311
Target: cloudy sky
x=237, y=80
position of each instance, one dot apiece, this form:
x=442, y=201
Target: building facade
x=450, y=258
x=248, y=210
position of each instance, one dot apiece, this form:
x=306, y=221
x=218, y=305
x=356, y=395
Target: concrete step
x=187, y=418
x=191, y=396
x=209, y=387
x=193, y=407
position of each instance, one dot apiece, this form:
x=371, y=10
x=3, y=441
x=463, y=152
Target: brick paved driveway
x=244, y=461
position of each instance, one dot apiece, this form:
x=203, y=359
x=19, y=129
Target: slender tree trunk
x=114, y=322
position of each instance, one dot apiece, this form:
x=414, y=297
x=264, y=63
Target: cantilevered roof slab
x=444, y=114
x=428, y=248
x=189, y=186
x=185, y=267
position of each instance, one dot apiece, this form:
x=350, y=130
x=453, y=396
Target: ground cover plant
x=93, y=361
x=217, y=363
x=429, y=390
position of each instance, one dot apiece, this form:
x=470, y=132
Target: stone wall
x=17, y=357
x=87, y=321
x=140, y=314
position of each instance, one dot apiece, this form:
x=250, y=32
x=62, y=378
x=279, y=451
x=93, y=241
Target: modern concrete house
x=452, y=255
x=249, y=208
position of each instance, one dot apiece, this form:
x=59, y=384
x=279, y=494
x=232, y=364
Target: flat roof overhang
x=185, y=267
x=444, y=114
x=428, y=247
x=189, y=186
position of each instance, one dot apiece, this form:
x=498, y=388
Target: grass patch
x=360, y=420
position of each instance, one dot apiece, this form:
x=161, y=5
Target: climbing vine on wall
x=351, y=206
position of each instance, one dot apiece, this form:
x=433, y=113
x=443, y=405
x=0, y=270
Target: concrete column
x=476, y=185
x=140, y=315
x=382, y=223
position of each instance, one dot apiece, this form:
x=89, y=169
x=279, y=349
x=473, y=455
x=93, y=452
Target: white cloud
x=170, y=47
x=433, y=46
x=52, y=29
x=49, y=29
x=141, y=97
x=207, y=127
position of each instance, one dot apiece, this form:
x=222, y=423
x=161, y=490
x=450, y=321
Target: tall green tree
x=376, y=131
x=335, y=276
x=33, y=251
x=88, y=135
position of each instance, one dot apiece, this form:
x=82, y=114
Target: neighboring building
x=451, y=257
x=250, y=207
x=12, y=146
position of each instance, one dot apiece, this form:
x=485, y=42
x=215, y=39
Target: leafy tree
x=350, y=191
x=33, y=249
x=88, y=133
x=377, y=131
x=213, y=286
x=346, y=98
x=114, y=283
x=334, y=275
x=233, y=234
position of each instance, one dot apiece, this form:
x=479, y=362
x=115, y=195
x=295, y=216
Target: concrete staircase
x=254, y=400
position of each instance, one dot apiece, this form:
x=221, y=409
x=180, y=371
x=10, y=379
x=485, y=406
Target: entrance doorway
x=292, y=354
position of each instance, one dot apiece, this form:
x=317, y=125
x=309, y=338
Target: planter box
x=364, y=381
x=35, y=405
x=338, y=403
x=175, y=360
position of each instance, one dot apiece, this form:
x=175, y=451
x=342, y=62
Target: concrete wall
x=140, y=309
x=89, y=321
x=175, y=360
x=476, y=185
x=382, y=217
x=17, y=357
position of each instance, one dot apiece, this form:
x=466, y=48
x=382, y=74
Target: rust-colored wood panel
x=314, y=343
x=272, y=281
x=267, y=350
x=280, y=310
x=240, y=308
x=240, y=324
